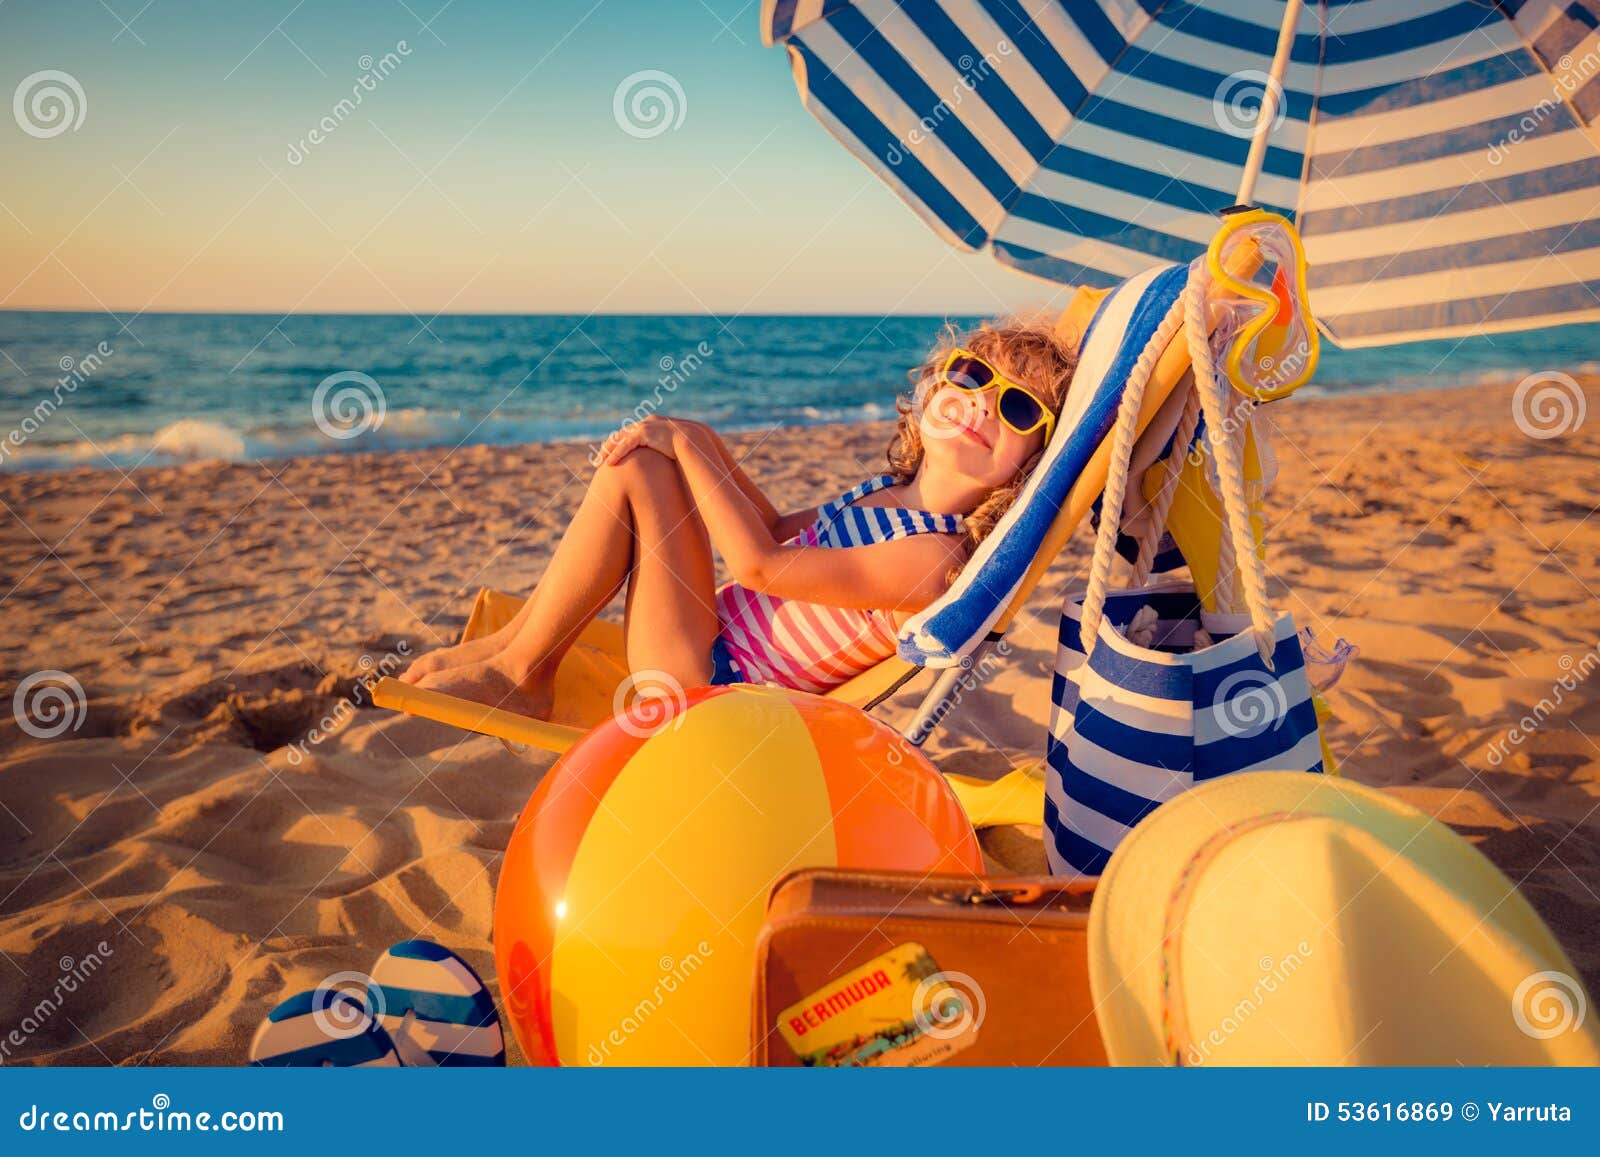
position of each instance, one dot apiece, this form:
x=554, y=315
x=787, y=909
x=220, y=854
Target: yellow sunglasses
x=1018, y=408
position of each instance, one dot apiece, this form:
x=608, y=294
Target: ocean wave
x=186, y=440
x=202, y=439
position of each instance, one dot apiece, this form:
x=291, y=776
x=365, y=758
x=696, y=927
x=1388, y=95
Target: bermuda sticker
x=896, y=1010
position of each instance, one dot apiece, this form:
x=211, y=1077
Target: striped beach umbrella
x=1440, y=157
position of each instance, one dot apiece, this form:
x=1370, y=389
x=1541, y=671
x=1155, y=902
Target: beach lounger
x=1111, y=329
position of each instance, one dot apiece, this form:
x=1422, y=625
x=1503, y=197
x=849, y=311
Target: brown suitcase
x=887, y=968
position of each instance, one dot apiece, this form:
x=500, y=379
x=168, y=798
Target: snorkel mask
x=1263, y=333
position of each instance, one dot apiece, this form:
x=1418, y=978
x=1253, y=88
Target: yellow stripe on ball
x=652, y=957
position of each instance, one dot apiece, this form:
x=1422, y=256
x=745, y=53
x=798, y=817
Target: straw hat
x=1280, y=918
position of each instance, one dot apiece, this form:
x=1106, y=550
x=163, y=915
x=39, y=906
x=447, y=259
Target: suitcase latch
x=982, y=895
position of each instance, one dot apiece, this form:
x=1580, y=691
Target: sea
x=95, y=390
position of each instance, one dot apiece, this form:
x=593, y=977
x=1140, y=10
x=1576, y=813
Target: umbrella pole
x=1269, y=104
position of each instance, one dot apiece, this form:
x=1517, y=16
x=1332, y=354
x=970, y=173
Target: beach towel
x=945, y=632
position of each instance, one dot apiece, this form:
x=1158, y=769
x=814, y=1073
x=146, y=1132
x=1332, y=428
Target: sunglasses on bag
x=1017, y=407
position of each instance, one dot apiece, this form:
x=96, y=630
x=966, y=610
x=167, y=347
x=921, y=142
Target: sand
x=188, y=853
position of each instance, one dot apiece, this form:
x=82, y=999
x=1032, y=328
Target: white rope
x=1123, y=437
x=1150, y=538
x=1230, y=471
x=1226, y=592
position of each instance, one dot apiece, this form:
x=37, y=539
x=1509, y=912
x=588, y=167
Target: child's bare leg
x=670, y=621
x=637, y=520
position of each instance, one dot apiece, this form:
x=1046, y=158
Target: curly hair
x=1029, y=351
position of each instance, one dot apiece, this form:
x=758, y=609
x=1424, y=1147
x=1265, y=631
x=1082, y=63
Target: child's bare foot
x=496, y=683
x=442, y=659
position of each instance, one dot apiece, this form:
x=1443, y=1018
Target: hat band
x=1174, y=1015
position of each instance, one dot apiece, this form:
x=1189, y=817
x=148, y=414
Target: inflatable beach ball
x=635, y=883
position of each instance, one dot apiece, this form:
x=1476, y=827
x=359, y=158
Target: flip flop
x=320, y=1029
x=435, y=1008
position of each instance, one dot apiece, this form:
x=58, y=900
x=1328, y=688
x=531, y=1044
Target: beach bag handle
x=1207, y=398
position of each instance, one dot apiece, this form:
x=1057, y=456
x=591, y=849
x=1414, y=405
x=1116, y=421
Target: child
x=818, y=595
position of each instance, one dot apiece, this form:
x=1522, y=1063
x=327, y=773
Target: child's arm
x=903, y=575
x=906, y=574
x=783, y=526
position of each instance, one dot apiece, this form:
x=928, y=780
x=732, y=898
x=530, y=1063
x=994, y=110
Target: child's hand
x=653, y=434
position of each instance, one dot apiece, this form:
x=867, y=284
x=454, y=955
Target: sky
x=486, y=170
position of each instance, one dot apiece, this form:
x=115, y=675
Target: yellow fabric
x=1330, y=765
x=1276, y=918
x=469, y=716
x=1195, y=520
x=1017, y=797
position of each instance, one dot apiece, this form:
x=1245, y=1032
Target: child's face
x=961, y=432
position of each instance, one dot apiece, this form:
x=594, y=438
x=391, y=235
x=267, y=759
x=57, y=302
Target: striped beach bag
x=1152, y=693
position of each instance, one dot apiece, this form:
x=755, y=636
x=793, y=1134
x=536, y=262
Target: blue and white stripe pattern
x=323, y=1028
x=950, y=628
x=435, y=1008
x=1440, y=157
x=841, y=523
x=1136, y=725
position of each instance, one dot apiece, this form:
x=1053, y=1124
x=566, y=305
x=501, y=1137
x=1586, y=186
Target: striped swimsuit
x=807, y=646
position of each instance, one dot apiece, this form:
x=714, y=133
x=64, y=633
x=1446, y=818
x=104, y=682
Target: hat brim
x=1457, y=891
